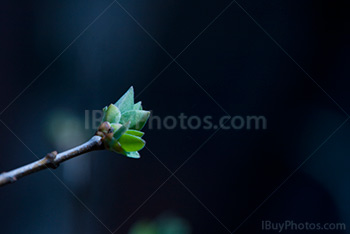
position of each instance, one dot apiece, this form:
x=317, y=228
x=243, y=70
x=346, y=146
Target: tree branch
x=51, y=160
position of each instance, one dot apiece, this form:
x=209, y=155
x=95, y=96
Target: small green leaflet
x=131, y=143
x=111, y=114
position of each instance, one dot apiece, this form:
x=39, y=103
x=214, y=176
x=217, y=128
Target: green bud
x=121, y=124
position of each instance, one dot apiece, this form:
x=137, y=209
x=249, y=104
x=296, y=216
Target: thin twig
x=51, y=160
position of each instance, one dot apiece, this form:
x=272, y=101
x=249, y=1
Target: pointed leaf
x=131, y=143
x=134, y=154
x=135, y=133
x=138, y=106
x=137, y=118
x=126, y=102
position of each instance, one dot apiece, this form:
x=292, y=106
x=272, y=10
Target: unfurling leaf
x=111, y=114
x=137, y=118
x=131, y=143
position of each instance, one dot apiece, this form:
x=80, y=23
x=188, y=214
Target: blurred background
x=63, y=59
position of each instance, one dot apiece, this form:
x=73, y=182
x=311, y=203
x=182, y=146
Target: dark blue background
x=233, y=60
